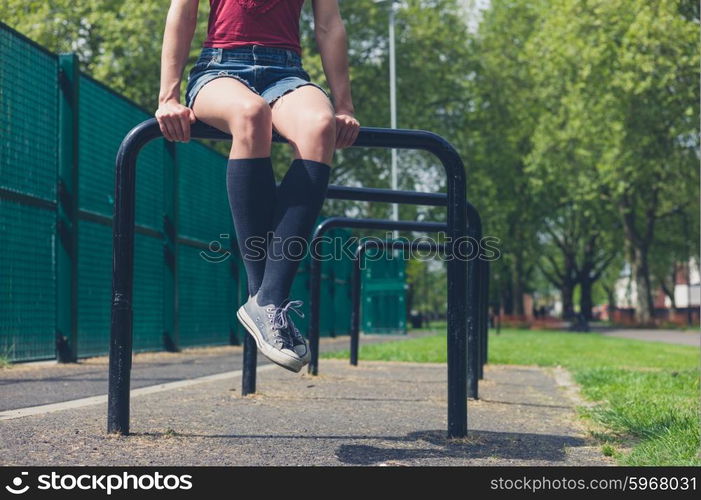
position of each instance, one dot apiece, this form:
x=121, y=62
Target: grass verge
x=646, y=393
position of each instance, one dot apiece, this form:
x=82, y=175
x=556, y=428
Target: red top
x=273, y=23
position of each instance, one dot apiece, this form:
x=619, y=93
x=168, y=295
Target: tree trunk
x=585, y=300
x=637, y=246
x=669, y=291
x=567, y=292
x=505, y=299
x=611, y=299
x=641, y=274
x=517, y=285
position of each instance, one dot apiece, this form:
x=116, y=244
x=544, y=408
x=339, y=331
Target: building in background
x=684, y=310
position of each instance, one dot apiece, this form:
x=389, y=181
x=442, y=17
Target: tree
x=503, y=119
x=619, y=81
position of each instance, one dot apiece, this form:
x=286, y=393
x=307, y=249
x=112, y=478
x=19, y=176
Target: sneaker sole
x=272, y=354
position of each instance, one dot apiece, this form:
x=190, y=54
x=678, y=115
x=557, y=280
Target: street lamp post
x=392, y=102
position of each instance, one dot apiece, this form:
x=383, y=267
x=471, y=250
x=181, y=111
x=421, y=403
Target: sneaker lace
x=281, y=319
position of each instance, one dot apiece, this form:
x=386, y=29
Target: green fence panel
x=383, y=293
x=326, y=299
x=94, y=288
x=95, y=291
x=148, y=293
x=300, y=291
x=203, y=205
x=342, y=270
x=28, y=167
x=205, y=298
x=29, y=111
x=105, y=118
x=208, y=288
x=327, y=315
x=27, y=291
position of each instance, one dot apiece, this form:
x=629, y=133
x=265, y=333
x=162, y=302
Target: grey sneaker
x=299, y=342
x=268, y=326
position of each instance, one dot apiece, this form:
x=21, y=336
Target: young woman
x=247, y=81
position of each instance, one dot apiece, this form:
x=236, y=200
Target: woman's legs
x=230, y=106
x=306, y=118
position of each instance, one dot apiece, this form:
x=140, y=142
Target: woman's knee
x=319, y=127
x=251, y=116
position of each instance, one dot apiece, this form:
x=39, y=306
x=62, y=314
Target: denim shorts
x=269, y=72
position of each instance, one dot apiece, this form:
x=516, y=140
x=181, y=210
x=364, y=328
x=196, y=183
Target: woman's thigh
x=306, y=118
x=220, y=101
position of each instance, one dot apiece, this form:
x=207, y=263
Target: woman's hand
x=347, y=129
x=174, y=120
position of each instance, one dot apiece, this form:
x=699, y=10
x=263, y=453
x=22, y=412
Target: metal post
x=66, y=255
x=355, y=311
x=481, y=315
x=170, y=247
x=393, y=105
x=392, y=102
x=472, y=331
x=314, y=303
x=250, y=361
x=485, y=311
x=473, y=303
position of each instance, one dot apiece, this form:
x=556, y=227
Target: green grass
x=646, y=393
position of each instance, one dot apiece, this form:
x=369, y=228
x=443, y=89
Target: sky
x=474, y=9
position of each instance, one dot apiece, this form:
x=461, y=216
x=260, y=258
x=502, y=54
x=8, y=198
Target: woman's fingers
x=177, y=126
x=185, y=125
x=349, y=134
x=174, y=120
x=167, y=130
x=347, y=129
x=339, y=131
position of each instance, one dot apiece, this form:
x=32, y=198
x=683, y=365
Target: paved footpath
x=32, y=384
x=680, y=337
x=376, y=414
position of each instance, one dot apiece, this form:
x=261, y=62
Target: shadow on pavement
x=478, y=444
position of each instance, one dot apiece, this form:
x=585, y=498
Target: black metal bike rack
x=477, y=358
x=121, y=326
x=315, y=268
x=475, y=315
x=476, y=300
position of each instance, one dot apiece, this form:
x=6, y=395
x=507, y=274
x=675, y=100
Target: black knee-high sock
x=250, y=183
x=299, y=199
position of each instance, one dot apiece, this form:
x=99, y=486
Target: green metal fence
x=28, y=162
x=59, y=135
x=60, y=131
